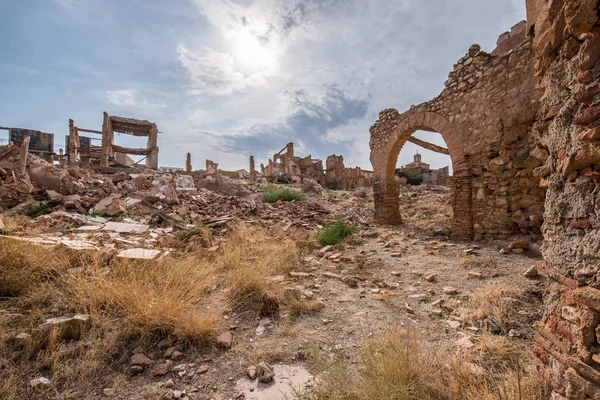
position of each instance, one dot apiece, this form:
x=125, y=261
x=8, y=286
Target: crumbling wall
x=566, y=39
x=485, y=115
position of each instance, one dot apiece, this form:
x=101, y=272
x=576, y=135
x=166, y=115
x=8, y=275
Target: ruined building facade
x=522, y=126
x=287, y=167
x=430, y=176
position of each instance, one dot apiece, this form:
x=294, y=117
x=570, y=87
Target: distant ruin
x=430, y=176
x=285, y=167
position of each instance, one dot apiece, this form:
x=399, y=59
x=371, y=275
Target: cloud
x=215, y=73
x=127, y=99
x=307, y=124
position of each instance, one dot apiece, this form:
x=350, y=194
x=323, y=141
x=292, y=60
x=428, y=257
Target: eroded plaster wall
x=485, y=114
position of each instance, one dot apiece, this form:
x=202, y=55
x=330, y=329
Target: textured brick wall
x=566, y=39
x=485, y=115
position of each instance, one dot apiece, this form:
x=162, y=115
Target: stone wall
x=485, y=115
x=566, y=39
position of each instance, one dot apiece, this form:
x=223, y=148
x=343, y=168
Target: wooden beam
x=89, y=131
x=428, y=146
x=128, y=150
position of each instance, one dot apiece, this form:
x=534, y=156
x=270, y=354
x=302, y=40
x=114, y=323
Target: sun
x=252, y=55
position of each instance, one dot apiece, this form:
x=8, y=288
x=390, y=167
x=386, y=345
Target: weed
x=273, y=194
x=335, y=233
x=398, y=365
x=36, y=210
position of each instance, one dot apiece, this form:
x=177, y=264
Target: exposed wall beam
x=429, y=146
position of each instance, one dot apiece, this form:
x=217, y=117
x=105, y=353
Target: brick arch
x=385, y=158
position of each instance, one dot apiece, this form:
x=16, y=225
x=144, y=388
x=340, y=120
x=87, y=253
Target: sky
x=225, y=79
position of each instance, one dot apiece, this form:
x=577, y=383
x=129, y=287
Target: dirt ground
x=411, y=276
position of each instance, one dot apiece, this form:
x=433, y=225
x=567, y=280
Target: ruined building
x=522, y=127
x=285, y=166
x=430, y=176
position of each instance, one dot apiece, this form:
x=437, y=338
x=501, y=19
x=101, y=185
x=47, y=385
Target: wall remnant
x=286, y=167
x=485, y=115
x=566, y=41
x=133, y=127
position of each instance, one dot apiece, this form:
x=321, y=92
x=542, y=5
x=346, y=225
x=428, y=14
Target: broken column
x=23, y=155
x=188, y=163
x=252, y=169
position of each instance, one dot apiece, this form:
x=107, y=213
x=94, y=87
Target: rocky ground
x=412, y=277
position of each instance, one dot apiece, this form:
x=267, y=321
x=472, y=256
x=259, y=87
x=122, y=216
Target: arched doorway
x=386, y=142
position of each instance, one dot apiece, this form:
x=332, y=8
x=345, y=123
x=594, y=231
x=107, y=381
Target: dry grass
x=132, y=303
x=168, y=297
x=400, y=366
x=249, y=258
x=23, y=266
x=496, y=302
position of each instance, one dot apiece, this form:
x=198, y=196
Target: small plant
x=113, y=217
x=336, y=232
x=412, y=179
x=273, y=194
x=34, y=211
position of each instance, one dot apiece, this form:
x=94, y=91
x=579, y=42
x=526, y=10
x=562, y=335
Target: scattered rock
x=177, y=355
x=351, y=281
x=519, y=244
x=169, y=384
x=41, y=381
x=264, y=372
x=489, y=325
x=408, y=308
x=431, y=278
x=449, y=290
x=109, y=392
x=69, y=327
x=391, y=285
x=270, y=304
x=437, y=312
x=251, y=372
x=224, y=340
x=162, y=369
x=141, y=359
x=202, y=370
x=136, y=369
x=474, y=275
x=532, y=272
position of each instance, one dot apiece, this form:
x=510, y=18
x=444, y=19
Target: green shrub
x=336, y=232
x=273, y=194
x=34, y=211
x=412, y=179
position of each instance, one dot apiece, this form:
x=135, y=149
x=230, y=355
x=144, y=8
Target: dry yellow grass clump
x=401, y=366
x=132, y=303
x=249, y=258
x=23, y=266
x=170, y=296
x=493, y=301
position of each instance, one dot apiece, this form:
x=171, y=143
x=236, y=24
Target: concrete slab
x=142, y=254
x=123, y=227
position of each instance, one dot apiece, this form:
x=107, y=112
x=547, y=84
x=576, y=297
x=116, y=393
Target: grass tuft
x=249, y=259
x=335, y=233
x=399, y=365
x=24, y=266
x=273, y=194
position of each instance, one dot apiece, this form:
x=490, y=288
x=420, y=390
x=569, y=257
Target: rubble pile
x=132, y=211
